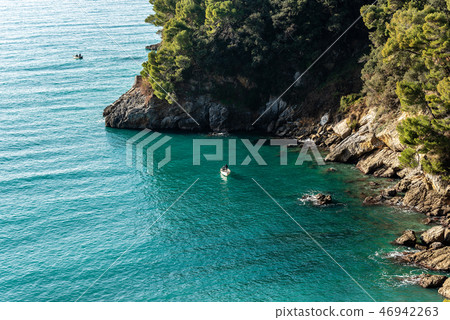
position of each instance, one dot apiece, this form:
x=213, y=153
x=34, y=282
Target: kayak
x=225, y=173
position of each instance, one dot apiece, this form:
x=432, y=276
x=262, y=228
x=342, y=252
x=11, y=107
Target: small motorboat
x=225, y=172
x=78, y=56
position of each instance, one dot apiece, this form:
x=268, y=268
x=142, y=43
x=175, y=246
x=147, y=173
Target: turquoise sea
x=70, y=206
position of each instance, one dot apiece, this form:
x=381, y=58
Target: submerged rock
x=431, y=280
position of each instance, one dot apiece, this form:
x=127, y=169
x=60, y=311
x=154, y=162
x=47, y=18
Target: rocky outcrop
x=445, y=289
x=434, y=259
x=137, y=110
x=319, y=199
x=355, y=146
x=381, y=163
x=408, y=238
x=342, y=129
x=431, y=280
x=421, y=196
x=153, y=47
x=435, y=234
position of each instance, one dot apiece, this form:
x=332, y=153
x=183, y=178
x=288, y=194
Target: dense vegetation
x=245, y=49
x=409, y=69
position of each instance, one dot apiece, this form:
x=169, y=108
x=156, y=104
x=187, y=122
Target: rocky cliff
x=137, y=110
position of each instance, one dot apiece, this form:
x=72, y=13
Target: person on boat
x=225, y=167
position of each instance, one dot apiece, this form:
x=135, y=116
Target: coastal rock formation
x=342, y=129
x=445, y=289
x=434, y=259
x=421, y=196
x=356, y=145
x=435, y=234
x=319, y=199
x=431, y=280
x=408, y=238
x=137, y=109
x=381, y=163
x=153, y=47
x=323, y=199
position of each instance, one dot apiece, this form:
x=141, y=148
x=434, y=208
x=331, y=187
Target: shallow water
x=69, y=205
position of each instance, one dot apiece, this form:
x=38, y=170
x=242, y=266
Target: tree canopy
x=238, y=47
x=408, y=69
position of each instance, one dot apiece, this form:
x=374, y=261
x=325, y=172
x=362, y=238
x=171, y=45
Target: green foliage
x=409, y=68
x=218, y=42
x=349, y=101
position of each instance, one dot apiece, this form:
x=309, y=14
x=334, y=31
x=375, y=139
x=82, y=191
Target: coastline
x=372, y=145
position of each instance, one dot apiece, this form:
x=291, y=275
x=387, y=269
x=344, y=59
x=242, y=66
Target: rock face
x=434, y=259
x=319, y=199
x=435, y=234
x=136, y=110
x=323, y=199
x=431, y=280
x=342, y=129
x=381, y=163
x=153, y=46
x=421, y=196
x=408, y=238
x=354, y=146
x=445, y=290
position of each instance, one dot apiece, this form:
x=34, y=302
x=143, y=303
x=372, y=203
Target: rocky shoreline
x=374, y=148
x=368, y=139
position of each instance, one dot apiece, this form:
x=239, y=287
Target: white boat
x=78, y=57
x=225, y=173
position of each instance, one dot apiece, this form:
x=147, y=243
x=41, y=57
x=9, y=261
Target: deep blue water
x=69, y=205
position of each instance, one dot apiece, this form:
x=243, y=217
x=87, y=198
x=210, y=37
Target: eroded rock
x=408, y=238
x=445, y=289
x=431, y=280
x=435, y=234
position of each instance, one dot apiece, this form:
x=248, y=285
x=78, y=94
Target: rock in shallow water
x=434, y=259
x=435, y=234
x=408, y=238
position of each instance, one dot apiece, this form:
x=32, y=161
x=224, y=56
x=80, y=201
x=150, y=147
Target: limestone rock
x=380, y=161
x=431, y=280
x=138, y=110
x=408, y=238
x=435, y=234
x=434, y=259
x=390, y=136
x=354, y=147
x=436, y=245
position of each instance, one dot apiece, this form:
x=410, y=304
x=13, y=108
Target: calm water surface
x=69, y=205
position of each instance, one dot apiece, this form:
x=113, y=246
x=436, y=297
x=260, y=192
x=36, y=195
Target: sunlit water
x=70, y=206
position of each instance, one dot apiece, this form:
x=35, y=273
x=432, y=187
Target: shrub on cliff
x=409, y=69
